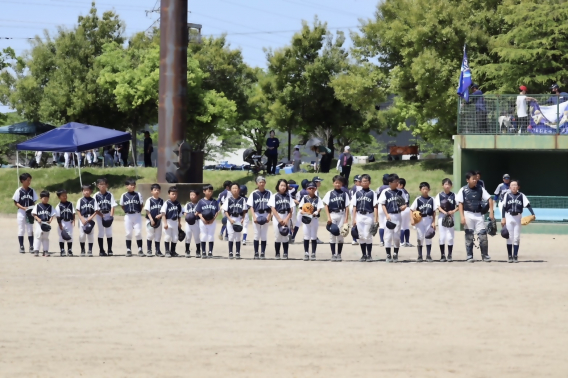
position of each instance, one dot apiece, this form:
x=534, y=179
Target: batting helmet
x=107, y=220
x=306, y=219
x=505, y=232
x=243, y=190
x=430, y=233
x=237, y=226
x=181, y=235
x=65, y=235
x=284, y=230
x=354, y=232
x=87, y=228
x=261, y=219
x=190, y=218
x=45, y=227
x=210, y=216
x=484, y=207
x=333, y=229
x=391, y=225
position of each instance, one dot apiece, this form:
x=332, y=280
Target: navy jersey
x=207, y=208
x=65, y=211
x=153, y=206
x=500, y=191
x=381, y=189
x=514, y=203
x=450, y=199
x=131, y=202
x=406, y=195
x=301, y=194
x=259, y=201
x=235, y=206
x=43, y=212
x=25, y=197
x=388, y=198
x=281, y=202
x=172, y=209
x=481, y=183
x=365, y=200
x=87, y=206
x=336, y=200
x=105, y=202
x=424, y=205
x=190, y=208
x=222, y=197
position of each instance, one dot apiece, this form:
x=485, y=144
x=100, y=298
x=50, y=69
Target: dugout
x=540, y=162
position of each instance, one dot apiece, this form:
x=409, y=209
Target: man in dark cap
x=557, y=96
x=476, y=98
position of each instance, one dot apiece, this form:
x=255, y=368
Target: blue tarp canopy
x=74, y=137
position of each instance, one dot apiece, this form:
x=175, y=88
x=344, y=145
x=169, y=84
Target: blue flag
x=465, y=78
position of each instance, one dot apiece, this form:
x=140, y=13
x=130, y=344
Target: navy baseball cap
x=317, y=179
x=357, y=178
x=386, y=176
x=506, y=176
x=311, y=185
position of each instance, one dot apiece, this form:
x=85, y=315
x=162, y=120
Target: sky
x=250, y=25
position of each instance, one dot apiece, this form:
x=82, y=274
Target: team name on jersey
x=209, y=207
x=364, y=198
x=282, y=201
x=260, y=200
x=87, y=205
x=26, y=197
x=514, y=202
x=337, y=199
x=65, y=210
x=131, y=202
x=44, y=212
x=425, y=206
x=391, y=199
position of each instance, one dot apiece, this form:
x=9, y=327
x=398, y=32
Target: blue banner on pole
x=465, y=78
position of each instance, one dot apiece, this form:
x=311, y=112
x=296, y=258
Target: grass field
x=53, y=179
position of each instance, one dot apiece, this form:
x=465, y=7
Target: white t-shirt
x=522, y=106
x=297, y=156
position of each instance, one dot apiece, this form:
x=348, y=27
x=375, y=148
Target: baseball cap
x=348, y=148
x=357, y=178
x=523, y=88
x=311, y=184
x=317, y=179
x=554, y=86
x=386, y=176
x=474, y=85
x=506, y=176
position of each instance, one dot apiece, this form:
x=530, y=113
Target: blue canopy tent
x=74, y=137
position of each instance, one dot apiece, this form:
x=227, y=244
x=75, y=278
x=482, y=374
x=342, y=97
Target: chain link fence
x=513, y=114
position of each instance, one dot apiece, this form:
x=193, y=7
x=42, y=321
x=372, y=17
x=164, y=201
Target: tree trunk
x=289, y=143
x=133, y=144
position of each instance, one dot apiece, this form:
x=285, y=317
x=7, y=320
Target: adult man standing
x=476, y=97
x=344, y=163
x=557, y=96
x=125, y=148
x=148, y=149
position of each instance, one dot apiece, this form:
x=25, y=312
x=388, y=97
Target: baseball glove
x=400, y=201
x=448, y=221
x=308, y=208
x=345, y=230
x=374, y=228
x=415, y=217
x=528, y=219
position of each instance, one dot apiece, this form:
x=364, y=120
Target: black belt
x=105, y=212
x=478, y=212
x=284, y=212
x=364, y=212
x=262, y=211
x=337, y=211
x=513, y=213
x=394, y=212
x=235, y=215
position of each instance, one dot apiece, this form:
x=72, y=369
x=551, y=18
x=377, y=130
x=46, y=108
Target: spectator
x=108, y=151
x=272, y=153
x=297, y=158
x=344, y=163
x=148, y=149
x=523, y=109
x=476, y=97
x=558, y=97
x=326, y=157
x=125, y=148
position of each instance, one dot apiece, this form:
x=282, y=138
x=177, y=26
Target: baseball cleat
x=313, y=257
x=262, y=257
x=470, y=259
x=22, y=249
x=46, y=254
x=70, y=253
x=209, y=255
x=306, y=256
x=90, y=253
x=256, y=256
x=486, y=258
x=238, y=255
x=319, y=241
x=419, y=259
x=369, y=258
x=36, y=253
x=83, y=253
x=388, y=259
x=510, y=259
x=109, y=252
x=187, y=254
x=449, y=259
x=381, y=244
x=338, y=258
x=515, y=259
x=159, y=254
x=168, y=254
x=62, y=253
x=277, y=256
x=230, y=255
x=409, y=245
x=429, y=258
x=128, y=253
x=443, y=258
x=333, y=258
x=102, y=253
x=198, y=254
x=354, y=243
x=149, y=253
x=363, y=258
x=244, y=242
x=284, y=256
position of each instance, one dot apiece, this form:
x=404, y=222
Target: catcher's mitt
x=528, y=219
x=400, y=201
x=308, y=208
x=448, y=221
x=345, y=230
x=492, y=228
x=374, y=228
x=415, y=217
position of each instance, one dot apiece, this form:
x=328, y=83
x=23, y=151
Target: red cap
x=523, y=88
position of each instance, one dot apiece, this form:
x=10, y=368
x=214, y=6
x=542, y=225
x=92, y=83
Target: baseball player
x=404, y=216
x=502, y=189
x=390, y=201
x=235, y=208
x=246, y=219
x=207, y=210
x=336, y=204
x=131, y=203
x=354, y=189
x=66, y=219
x=513, y=203
x=310, y=229
x=171, y=212
x=106, y=203
x=24, y=199
x=281, y=204
x=479, y=180
x=153, y=207
x=38, y=157
x=299, y=195
x=293, y=190
x=87, y=209
x=445, y=203
x=425, y=205
x=365, y=214
x=382, y=217
x=43, y=213
x=221, y=199
x=258, y=203
x=67, y=156
x=472, y=207
x=192, y=230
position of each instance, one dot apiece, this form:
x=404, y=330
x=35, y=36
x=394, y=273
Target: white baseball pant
x=446, y=233
x=392, y=237
x=207, y=232
x=311, y=230
x=514, y=228
x=88, y=157
x=405, y=219
x=277, y=237
x=171, y=234
x=102, y=232
x=192, y=231
x=246, y=221
x=260, y=232
x=82, y=236
x=382, y=218
x=421, y=228
x=364, y=223
x=23, y=226
x=41, y=238
x=152, y=233
x=66, y=156
x=298, y=218
x=69, y=227
x=294, y=219
x=234, y=236
x=133, y=222
x=38, y=159
x=338, y=219
x=474, y=221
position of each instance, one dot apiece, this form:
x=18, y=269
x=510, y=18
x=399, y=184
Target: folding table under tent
x=73, y=137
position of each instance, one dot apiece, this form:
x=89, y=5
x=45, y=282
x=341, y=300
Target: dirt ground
x=158, y=317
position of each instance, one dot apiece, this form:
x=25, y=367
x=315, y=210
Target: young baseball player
x=235, y=208
x=207, y=210
x=192, y=230
x=243, y=193
x=258, y=203
x=513, y=203
x=131, y=203
x=336, y=203
x=424, y=204
x=354, y=189
x=153, y=207
x=299, y=195
x=281, y=204
x=404, y=216
x=479, y=180
x=365, y=213
x=445, y=203
x=221, y=199
x=502, y=189
x=382, y=218
x=317, y=180
x=390, y=200
x=106, y=203
x=24, y=199
x=470, y=199
x=293, y=190
x=43, y=213
x=310, y=229
x=87, y=209
x=171, y=212
x=66, y=219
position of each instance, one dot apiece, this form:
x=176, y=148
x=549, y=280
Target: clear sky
x=250, y=24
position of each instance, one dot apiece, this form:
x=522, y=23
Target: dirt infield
x=157, y=317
